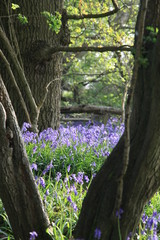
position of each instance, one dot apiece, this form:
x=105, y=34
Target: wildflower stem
x=119, y=230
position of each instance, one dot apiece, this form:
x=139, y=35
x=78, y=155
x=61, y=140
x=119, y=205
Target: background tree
x=99, y=78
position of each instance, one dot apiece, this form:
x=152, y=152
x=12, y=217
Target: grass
x=64, y=162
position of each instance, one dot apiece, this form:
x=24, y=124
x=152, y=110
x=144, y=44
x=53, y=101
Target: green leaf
x=54, y=21
x=15, y=6
x=22, y=19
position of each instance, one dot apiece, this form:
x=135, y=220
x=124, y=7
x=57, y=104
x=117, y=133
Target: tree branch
x=33, y=106
x=15, y=85
x=100, y=110
x=46, y=53
x=90, y=49
x=100, y=15
x=46, y=92
x=93, y=80
x=84, y=74
x=3, y=119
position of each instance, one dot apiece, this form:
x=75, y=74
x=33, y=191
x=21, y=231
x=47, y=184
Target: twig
x=46, y=92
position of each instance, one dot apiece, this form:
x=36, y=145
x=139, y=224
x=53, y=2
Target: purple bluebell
x=86, y=178
x=119, y=213
x=97, y=234
x=68, y=168
x=34, y=166
x=80, y=177
x=69, y=199
x=33, y=235
x=129, y=236
x=35, y=149
x=66, y=180
x=154, y=214
x=58, y=176
x=150, y=223
x=74, y=177
x=47, y=192
x=75, y=190
x=153, y=237
x=48, y=168
x=43, y=145
x=25, y=127
x=42, y=182
x=74, y=206
x=144, y=218
x=143, y=232
x=94, y=164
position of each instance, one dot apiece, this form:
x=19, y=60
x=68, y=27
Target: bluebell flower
x=119, y=213
x=69, y=199
x=144, y=218
x=80, y=177
x=94, y=164
x=94, y=174
x=42, y=182
x=149, y=224
x=158, y=218
x=129, y=236
x=58, y=176
x=74, y=206
x=47, y=192
x=25, y=127
x=143, y=232
x=97, y=233
x=35, y=149
x=34, y=166
x=74, y=177
x=66, y=180
x=75, y=191
x=48, y=168
x=153, y=237
x=68, y=168
x=43, y=145
x=154, y=214
x=33, y=235
x=86, y=178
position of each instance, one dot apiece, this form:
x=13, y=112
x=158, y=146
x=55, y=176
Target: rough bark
x=138, y=54
x=30, y=42
x=18, y=189
x=142, y=178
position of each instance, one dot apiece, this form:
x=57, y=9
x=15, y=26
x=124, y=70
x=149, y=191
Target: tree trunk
x=33, y=39
x=143, y=174
x=18, y=189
